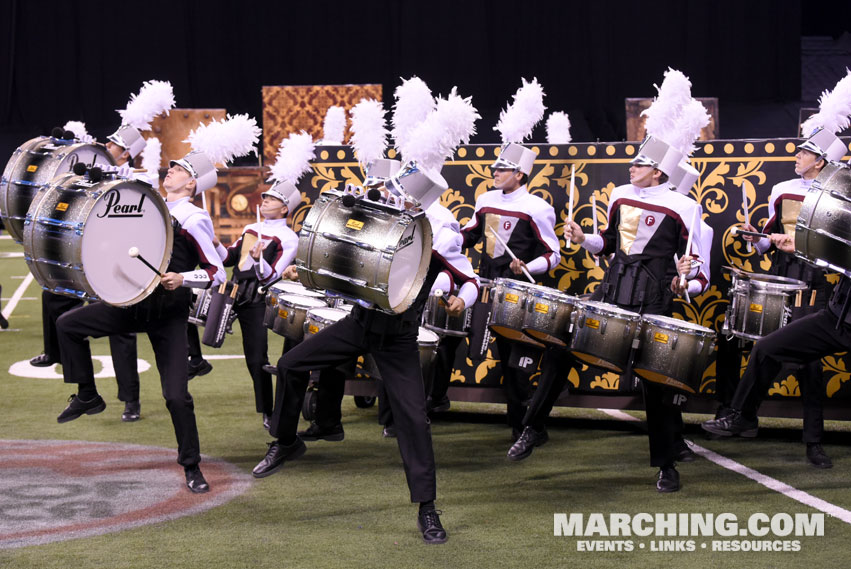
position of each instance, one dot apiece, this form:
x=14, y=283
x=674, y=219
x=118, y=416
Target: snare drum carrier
x=274, y=232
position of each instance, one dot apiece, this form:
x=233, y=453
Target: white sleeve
x=593, y=243
x=211, y=273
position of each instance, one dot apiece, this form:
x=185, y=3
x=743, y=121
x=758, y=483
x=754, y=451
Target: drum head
x=127, y=214
x=301, y=301
x=670, y=323
x=607, y=309
x=292, y=287
x=427, y=337
x=326, y=314
x=405, y=268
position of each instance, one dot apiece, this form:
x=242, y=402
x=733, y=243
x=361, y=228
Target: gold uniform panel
x=492, y=223
x=789, y=211
x=628, y=226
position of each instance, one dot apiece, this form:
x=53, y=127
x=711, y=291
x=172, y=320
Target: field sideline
x=346, y=504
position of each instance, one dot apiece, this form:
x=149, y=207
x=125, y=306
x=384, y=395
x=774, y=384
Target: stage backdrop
x=724, y=166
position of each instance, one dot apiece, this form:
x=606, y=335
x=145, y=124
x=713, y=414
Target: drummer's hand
x=750, y=238
x=676, y=288
x=783, y=242
x=455, y=306
x=290, y=273
x=257, y=250
x=517, y=266
x=573, y=233
x=684, y=265
x=171, y=281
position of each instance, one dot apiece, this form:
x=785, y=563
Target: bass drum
x=368, y=251
x=823, y=229
x=33, y=166
x=78, y=233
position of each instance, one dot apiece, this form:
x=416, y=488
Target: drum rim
x=282, y=300
x=598, y=307
x=677, y=323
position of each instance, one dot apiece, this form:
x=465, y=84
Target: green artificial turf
x=346, y=504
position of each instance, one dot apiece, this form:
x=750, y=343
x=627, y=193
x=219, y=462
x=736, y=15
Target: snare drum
x=823, y=229
x=508, y=309
x=760, y=304
x=292, y=312
x=78, y=233
x=33, y=166
x=548, y=314
x=603, y=334
x=427, y=342
x=436, y=319
x=320, y=318
x=367, y=251
x=284, y=287
x=673, y=352
x=201, y=298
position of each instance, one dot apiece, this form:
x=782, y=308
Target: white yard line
x=19, y=293
x=767, y=481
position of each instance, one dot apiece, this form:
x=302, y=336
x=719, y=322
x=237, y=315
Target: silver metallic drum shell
x=673, y=352
x=368, y=251
x=78, y=233
x=508, y=299
x=320, y=318
x=284, y=287
x=603, y=334
x=823, y=229
x=548, y=315
x=33, y=166
x=759, y=304
x=292, y=312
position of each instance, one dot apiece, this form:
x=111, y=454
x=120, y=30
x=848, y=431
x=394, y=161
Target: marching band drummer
x=392, y=340
x=163, y=315
x=273, y=251
x=741, y=399
x=526, y=223
x=648, y=225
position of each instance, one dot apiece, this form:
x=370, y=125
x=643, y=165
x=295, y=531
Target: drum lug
x=674, y=341
x=603, y=324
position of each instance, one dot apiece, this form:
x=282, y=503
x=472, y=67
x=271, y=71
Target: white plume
x=558, y=128
x=78, y=128
x=222, y=141
x=665, y=108
x=834, y=108
x=413, y=104
x=369, y=131
x=334, y=126
x=693, y=117
x=151, y=157
x=520, y=117
x=435, y=139
x=154, y=98
x=294, y=156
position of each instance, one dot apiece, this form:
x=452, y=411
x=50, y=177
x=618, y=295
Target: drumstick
x=134, y=252
x=204, y=200
x=813, y=297
x=688, y=241
x=570, y=199
x=511, y=253
x=439, y=295
x=747, y=215
x=594, y=217
x=739, y=231
x=259, y=232
x=798, y=298
x=676, y=262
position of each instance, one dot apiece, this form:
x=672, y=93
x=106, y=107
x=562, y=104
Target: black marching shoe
x=440, y=406
x=43, y=360
x=526, y=443
x=683, y=452
x=195, y=481
x=132, y=411
x=817, y=456
x=3, y=322
x=668, y=479
x=428, y=522
x=276, y=456
x=77, y=407
x=200, y=368
x=314, y=433
x=733, y=424
x=389, y=432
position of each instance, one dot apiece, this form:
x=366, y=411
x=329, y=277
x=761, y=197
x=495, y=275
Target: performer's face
x=642, y=176
x=118, y=154
x=506, y=179
x=805, y=162
x=272, y=208
x=177, y=179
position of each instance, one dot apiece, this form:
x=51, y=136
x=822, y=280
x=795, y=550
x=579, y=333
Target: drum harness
x=633, y=282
